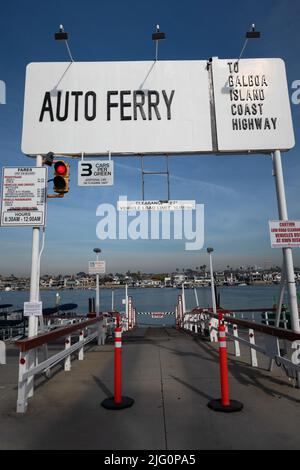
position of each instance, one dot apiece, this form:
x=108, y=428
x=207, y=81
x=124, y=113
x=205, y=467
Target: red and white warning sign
x=157, y=315
x=285, y=233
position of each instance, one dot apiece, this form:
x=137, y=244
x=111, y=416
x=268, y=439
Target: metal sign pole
x=112, y=300
x=126, y=302
x=281, y=297
x=97, y=292
x=196, y=297
x=212, y=284
x=34, y=277
x=287, y=252
x=34, y=291
x=183, y=299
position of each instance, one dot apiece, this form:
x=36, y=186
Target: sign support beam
x=34, y=277
x=97, y=292
x=287, y=252
x=126, y=304
x=34, y=290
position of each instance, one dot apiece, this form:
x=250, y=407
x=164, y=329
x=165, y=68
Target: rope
x=69, y=51
x=243, y=49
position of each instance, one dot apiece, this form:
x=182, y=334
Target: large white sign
x=122, y=107
x=95, y=173
x=156, y=205
x=97, y=267
x=23, y=196
x=284, y=233
x=252, y=105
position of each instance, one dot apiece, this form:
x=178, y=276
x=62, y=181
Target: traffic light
x=61, y=177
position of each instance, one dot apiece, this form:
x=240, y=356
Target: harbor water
x=156, y=300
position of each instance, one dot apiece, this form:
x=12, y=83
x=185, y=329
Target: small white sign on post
x=285, y=233
x=33, y=309
x=97, y=267
x=23, y=197
x=95, y=173
x=252, y=105
x=156, y=205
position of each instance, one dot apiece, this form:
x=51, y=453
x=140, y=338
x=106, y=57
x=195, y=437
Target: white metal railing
x=280, y=345
x=2, y=353
x=29, y=367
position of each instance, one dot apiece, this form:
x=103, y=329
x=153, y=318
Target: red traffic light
x=60, y=168
x=61, y=177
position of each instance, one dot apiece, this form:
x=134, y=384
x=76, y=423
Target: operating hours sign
x=23, y=201
x=285, y=233
x=142, y=107
x=252, y=106
x=95, y=173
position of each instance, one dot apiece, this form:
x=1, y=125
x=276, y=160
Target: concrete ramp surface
x=171, y=377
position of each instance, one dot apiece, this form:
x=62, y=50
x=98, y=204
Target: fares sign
x=284, y=233
x=252, y=105
x=121, y=107
x=23, y=197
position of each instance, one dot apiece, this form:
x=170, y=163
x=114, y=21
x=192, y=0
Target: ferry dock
x=171, y=374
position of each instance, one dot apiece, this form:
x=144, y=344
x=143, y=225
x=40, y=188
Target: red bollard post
x=224, y=404
x=118, y=365
x=223, y=366
x=117, y=402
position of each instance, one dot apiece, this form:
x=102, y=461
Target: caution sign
x=252, y=105
x=285, y=233
x=23, y=201
x=95, y=173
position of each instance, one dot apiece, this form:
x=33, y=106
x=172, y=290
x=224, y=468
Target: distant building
x=180, y=278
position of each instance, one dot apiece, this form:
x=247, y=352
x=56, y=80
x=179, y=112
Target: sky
x=238, y=192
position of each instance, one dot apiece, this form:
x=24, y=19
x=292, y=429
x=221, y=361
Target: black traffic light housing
x=61, y=177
